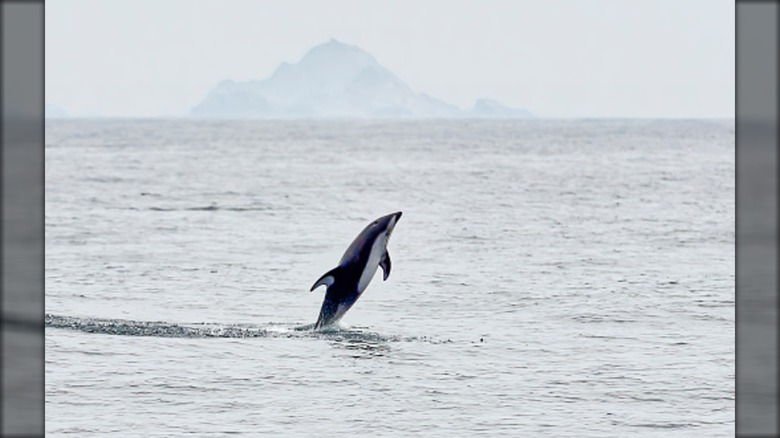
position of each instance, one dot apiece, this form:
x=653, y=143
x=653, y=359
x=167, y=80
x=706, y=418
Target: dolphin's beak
x=393, y=220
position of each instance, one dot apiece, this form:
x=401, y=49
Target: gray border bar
x=22, y=230
x=756, y=228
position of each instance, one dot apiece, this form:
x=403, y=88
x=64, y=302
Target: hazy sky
x=559, y=58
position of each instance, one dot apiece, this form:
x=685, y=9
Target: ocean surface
x=570, y=278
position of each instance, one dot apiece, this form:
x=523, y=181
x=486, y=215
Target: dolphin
x=347, y=281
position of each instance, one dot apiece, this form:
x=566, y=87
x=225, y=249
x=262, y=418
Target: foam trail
x=157, y=328
x=160, y=329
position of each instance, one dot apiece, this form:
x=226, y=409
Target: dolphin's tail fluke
x=329, y=313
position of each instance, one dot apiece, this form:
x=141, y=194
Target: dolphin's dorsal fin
x=385, y=264
x=327, y=279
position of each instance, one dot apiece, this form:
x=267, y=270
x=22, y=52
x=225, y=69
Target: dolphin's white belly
x=377, y=249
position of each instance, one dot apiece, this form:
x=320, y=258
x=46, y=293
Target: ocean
x=563, y=278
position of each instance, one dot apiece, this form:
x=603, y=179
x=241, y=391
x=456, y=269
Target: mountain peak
x=334, y=43
x=336, y=51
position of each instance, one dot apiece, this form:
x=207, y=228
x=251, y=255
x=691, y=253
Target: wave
x=161, y=329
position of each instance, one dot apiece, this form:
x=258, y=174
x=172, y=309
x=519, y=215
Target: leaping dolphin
x=347, y=281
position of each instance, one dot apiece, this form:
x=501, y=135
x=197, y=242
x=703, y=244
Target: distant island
x=335, y=80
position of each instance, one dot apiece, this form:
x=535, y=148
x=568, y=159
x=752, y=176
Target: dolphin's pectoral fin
x=385, y=264
x=327, y=279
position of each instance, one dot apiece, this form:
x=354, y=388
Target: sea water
x=565, y=278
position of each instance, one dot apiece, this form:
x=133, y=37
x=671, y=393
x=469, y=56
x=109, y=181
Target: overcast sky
x=556, y=58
